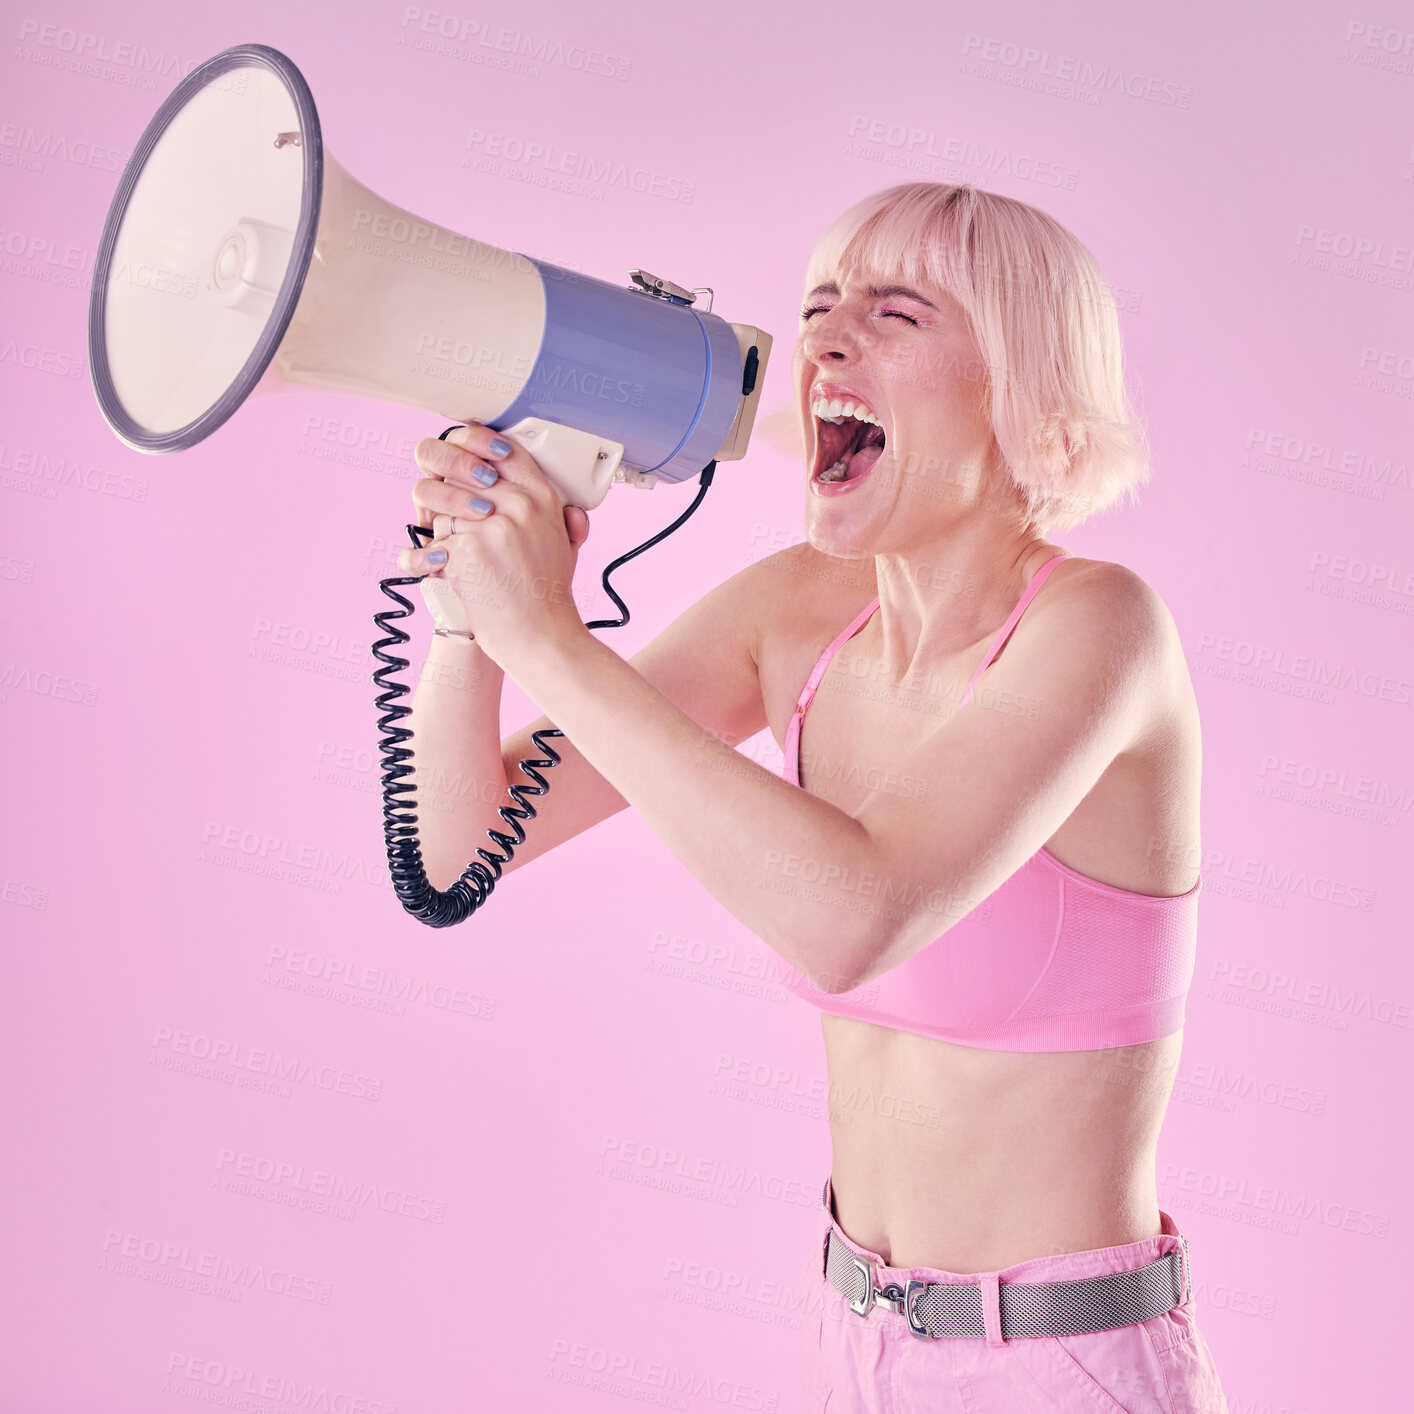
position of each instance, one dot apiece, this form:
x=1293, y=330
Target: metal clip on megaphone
x=239, y=259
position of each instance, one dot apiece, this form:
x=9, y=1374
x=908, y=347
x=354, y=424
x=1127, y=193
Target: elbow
x=834, y=983
x=845, y=970
x=820, y=961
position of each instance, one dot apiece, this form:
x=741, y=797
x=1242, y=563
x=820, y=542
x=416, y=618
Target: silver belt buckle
x=890, y=1295
x=914, y=1289
x=866, y=1270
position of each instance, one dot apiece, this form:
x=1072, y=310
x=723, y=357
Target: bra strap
x=807, y=693
x=1037, y=580
x=823, y=662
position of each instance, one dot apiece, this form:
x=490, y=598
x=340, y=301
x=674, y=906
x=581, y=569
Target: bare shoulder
x=720, y=656
x=1106, y=595
x=772, y=604
x=1123, y=621
x=801, y=591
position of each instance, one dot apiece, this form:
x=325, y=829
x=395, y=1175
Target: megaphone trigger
x=579, y=465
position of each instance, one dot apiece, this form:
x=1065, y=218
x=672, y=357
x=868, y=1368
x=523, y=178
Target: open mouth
x=846, y=445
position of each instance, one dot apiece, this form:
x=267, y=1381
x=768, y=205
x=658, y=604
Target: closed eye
x=886, y=314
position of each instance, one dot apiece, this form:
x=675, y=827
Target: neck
x=940, y=600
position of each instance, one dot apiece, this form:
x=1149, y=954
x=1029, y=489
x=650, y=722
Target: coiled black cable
x=441, y=908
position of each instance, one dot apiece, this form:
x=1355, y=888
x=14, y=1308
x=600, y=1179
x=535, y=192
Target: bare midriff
x=970, y=1160
x=956, y=1157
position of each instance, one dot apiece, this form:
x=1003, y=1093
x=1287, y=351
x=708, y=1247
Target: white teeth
x=836, y=411
x=838, y=472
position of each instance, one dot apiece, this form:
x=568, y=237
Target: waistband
x=1069, y=1266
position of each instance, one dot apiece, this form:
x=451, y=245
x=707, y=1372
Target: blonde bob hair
x=1044, y=323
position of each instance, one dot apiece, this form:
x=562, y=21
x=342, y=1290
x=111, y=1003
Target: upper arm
x=1002, y=774
x=704, y=661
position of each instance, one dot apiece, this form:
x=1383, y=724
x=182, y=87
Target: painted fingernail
x=484, y=475
x=436, y=557
x=499, y=448
x=482, y=506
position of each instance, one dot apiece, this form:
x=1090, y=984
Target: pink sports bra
x=1051, y=960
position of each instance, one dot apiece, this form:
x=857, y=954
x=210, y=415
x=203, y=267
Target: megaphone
x=240, y=259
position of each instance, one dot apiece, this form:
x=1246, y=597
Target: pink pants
x=874, y=1363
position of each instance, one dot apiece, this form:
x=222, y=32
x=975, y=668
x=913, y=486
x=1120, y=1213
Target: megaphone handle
x=579, y=465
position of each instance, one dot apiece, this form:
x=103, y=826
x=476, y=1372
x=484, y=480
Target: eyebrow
x=875, y=292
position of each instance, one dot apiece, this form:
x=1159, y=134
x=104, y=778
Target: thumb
x=577, y=525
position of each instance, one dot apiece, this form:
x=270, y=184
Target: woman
x=988, y=871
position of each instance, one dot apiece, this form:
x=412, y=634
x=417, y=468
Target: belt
x=951, y=1309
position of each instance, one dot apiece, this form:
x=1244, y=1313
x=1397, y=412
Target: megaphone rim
x=127, y=429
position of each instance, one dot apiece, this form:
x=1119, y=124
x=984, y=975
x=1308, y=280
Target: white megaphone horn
x=240, y=259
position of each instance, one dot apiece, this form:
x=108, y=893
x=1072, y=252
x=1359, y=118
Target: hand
x=509, y=569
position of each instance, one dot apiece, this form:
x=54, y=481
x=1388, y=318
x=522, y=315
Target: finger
x=443, y=526
x=424, y=561
x=446, y=461
x=577, y=525
x=448, y=497
x=434, y=495
x=516, y=466
x=484, y=442
x=424, y=512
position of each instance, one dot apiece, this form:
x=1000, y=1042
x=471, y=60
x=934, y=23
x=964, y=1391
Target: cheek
x=923, y=452
x=942, y=368
x=908, y=372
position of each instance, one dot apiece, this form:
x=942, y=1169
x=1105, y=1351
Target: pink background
x=531, y=1124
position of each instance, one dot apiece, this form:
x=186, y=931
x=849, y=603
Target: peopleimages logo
x=1309, y=999
x=589, y=383
x=1039, y=66
x=548, y=163
x=104, y=57
x=1250, y=1201
x=1379, y=47
x=500, y=46
x=1267, y=666
x=1295, y=456
x=900, y=145
x=193, y=1376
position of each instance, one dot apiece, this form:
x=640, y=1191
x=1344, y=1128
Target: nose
x=834, y=336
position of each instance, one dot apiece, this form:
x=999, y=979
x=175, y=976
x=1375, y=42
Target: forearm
x=792, y=867
x=457, y=765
